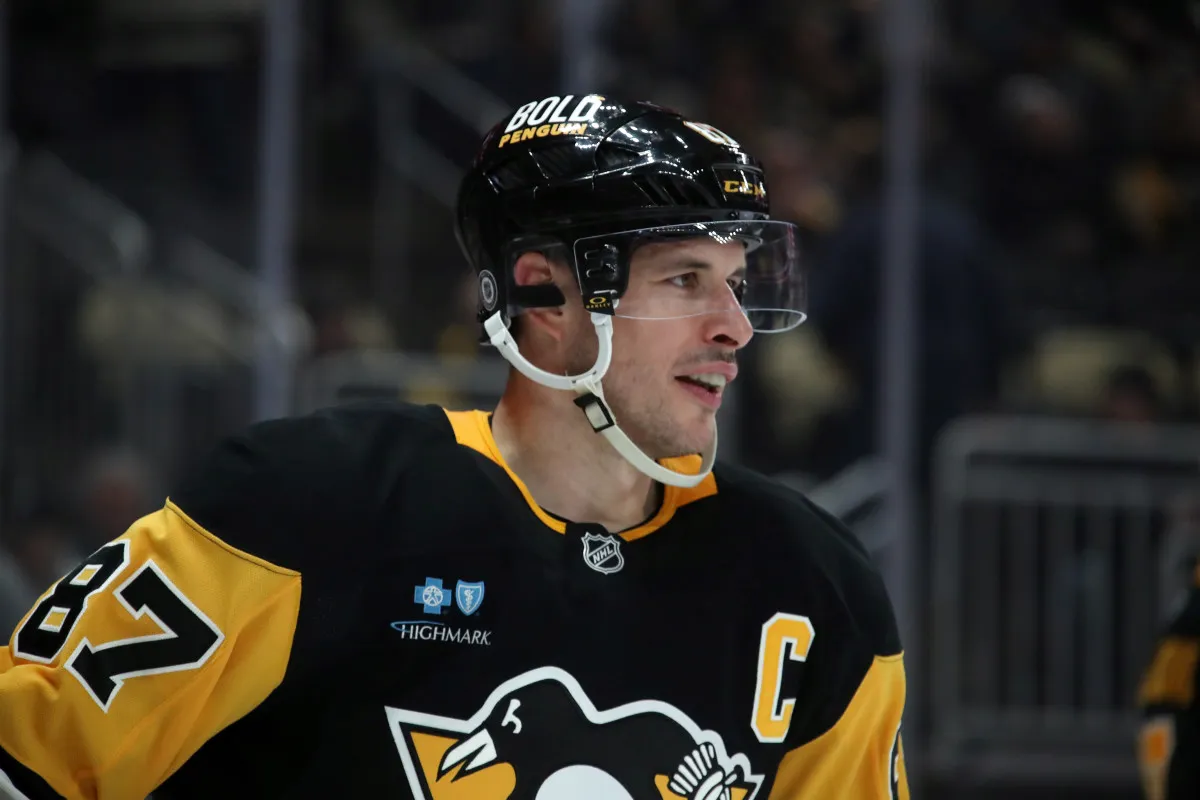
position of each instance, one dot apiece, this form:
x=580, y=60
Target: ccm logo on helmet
x=550, y=117
x=745, y=187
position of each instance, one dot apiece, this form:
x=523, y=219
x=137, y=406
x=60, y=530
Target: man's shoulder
x=277, y=487
x=1185, y=621
x=331, y=444
x=798, y=540
x=788, y=519
x=1170, y=680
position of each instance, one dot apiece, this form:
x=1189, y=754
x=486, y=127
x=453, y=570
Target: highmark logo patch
x=436, y=599
x=426, y=631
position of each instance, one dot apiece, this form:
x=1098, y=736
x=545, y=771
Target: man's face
x=679, y=325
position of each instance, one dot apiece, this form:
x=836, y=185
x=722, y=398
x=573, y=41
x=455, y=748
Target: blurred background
x=216, y=211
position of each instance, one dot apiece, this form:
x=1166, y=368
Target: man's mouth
x=710, y=381
x=703, y=389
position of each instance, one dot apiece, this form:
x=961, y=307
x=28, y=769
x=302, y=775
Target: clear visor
x=687, y=270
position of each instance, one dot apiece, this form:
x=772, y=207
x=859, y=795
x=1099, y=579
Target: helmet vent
x=670, y=190
x=678, y=191
x=516, y=173
x=559, y=160
x=650, y=187
x=610, y=156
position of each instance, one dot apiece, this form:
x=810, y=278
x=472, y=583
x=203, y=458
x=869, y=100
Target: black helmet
x=561, y=170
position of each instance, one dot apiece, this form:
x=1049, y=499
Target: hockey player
x=559, y=598
x=1169, y=738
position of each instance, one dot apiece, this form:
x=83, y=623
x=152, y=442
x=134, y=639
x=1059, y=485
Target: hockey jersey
x=1169, y=737
x=367, y=602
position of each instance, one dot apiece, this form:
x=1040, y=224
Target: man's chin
x=682, y=433
x=681, y=447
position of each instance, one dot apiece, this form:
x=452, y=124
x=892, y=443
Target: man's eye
x=687, y=280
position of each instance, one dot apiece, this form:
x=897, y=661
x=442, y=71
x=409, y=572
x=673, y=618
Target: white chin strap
x=591, y=399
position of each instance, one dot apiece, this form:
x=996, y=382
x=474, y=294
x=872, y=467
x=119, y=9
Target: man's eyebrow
x=702, y=266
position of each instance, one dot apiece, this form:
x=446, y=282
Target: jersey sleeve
x=144, y=654
x=1168, y=746
x=862, y=755
x=844, y=738
x=131, y=661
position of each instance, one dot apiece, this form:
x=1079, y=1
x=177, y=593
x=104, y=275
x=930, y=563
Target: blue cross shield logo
x=432, y=597
x=468, y=596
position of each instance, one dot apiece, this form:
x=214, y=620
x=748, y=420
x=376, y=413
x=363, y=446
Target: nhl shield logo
x=468, y=596
x=603, y=553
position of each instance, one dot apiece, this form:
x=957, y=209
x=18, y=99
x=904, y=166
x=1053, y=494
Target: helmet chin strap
x=591, y=399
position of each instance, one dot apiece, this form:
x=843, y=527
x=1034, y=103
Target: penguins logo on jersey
x=539, y=736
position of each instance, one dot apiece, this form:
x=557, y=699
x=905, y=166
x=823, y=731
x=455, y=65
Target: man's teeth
x=713, y=381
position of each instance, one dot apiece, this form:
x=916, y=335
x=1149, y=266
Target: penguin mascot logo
x=538, y=736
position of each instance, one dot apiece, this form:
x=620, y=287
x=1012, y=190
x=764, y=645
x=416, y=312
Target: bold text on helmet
x=574, y=129
x=553, y=109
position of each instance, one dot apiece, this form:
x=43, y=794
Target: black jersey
x=1169, y=739
x=367, y=602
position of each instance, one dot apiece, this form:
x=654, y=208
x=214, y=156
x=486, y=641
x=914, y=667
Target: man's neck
x=570, y=470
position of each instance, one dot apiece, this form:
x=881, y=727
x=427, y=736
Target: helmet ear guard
x=507, y=297
x=537, y=295
x=601, y=275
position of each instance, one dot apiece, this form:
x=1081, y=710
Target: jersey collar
x=472, y=430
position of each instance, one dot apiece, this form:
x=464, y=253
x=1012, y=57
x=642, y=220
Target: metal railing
x=1046, y=556
x=456, y=383
x=416, y=179
x=76, y=219
x=404, y=68
x=855, y=496
x=63, y=239
x=111, y=334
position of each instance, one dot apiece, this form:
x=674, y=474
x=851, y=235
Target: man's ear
x=532, y=269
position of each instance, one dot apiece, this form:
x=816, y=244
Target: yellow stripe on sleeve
x=861, y=756
x=128, y=664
